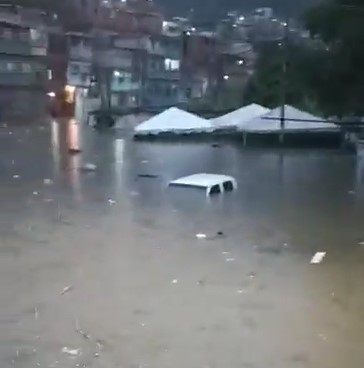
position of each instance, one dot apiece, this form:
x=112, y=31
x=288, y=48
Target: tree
x=298, y=85
x=340, y=26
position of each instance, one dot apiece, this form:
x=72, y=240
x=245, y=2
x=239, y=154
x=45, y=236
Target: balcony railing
x=18, y=79
x=114, y=58
x=21, y=47
x=80, y=53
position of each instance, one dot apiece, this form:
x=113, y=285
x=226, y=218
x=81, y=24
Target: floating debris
x=111, y=202
x=175, y=281
x=230, y=259
x=225, y=253
x=148, y=176
x=47, y=181
x=145, y=161
x=252, y=275
x=36, y=313
x=216, y=145
x=322, y=337
x=361, y=243
x=96, y=355
x=318, y=257
x=89, y=167
x=241, y=291
x=74, y=151
x=201, y=282
x=72, y=352
x=16, y=176
x=201, y=236
x=67, y=289
x=35, y=193
x=85, y=335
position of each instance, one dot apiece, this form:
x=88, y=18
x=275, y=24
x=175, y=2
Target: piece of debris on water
x=201, y=236
x=36, y=313
x=85, y=335
x=175, y=281
x=74, y=151
x=148, y=176
x=67, y=289
x=71, y=352
x=35, y=193
x=201, y=282
x=230, y=259
x=16, y=176
x=111, y=202
x=322, y=337
x=361, y=243
x=318, y=257
x=89, y=167
x=47, y=181
x=252, y=275
x=351, y=192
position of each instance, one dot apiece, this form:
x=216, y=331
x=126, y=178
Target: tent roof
x=295, y=119
x=173, y=120
x=240, y=116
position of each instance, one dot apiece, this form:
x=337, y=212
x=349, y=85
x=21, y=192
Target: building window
x=26, y=68
x=7, y=34
x=10, y=67
x=171, y=64
x=74, y=69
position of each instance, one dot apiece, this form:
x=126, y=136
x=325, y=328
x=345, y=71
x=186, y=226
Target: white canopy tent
x=237, y=118
x=295, y=120
x=176, y=121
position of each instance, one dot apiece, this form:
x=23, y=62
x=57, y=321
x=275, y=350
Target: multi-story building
x=23, y=71
x=163, y=87
x=129, y=16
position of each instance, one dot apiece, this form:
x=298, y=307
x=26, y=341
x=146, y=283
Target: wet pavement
x=103, y=268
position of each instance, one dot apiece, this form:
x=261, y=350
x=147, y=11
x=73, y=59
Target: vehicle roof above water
x=202, y=180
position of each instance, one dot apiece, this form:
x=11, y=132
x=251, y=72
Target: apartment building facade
x=23, y=67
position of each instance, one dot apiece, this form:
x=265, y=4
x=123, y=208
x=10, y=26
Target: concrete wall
x=22, y=104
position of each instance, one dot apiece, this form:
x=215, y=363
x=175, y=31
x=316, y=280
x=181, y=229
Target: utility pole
x=283, y=82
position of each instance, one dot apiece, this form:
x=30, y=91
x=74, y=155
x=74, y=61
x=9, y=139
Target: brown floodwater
x=107, y=263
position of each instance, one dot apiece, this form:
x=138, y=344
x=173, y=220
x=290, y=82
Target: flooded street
x=107, y=263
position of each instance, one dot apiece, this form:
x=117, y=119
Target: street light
x=226, y=77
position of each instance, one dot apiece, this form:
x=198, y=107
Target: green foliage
x=297, y=85
x=328, y=79
x=340, y=25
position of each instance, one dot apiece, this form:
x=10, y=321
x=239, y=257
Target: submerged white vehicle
x=212, y=183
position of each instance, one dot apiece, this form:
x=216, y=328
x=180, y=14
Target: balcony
x=164, y=75
x=18, y=79
x=21, y=47
x=80, y=53
x=114, y=58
